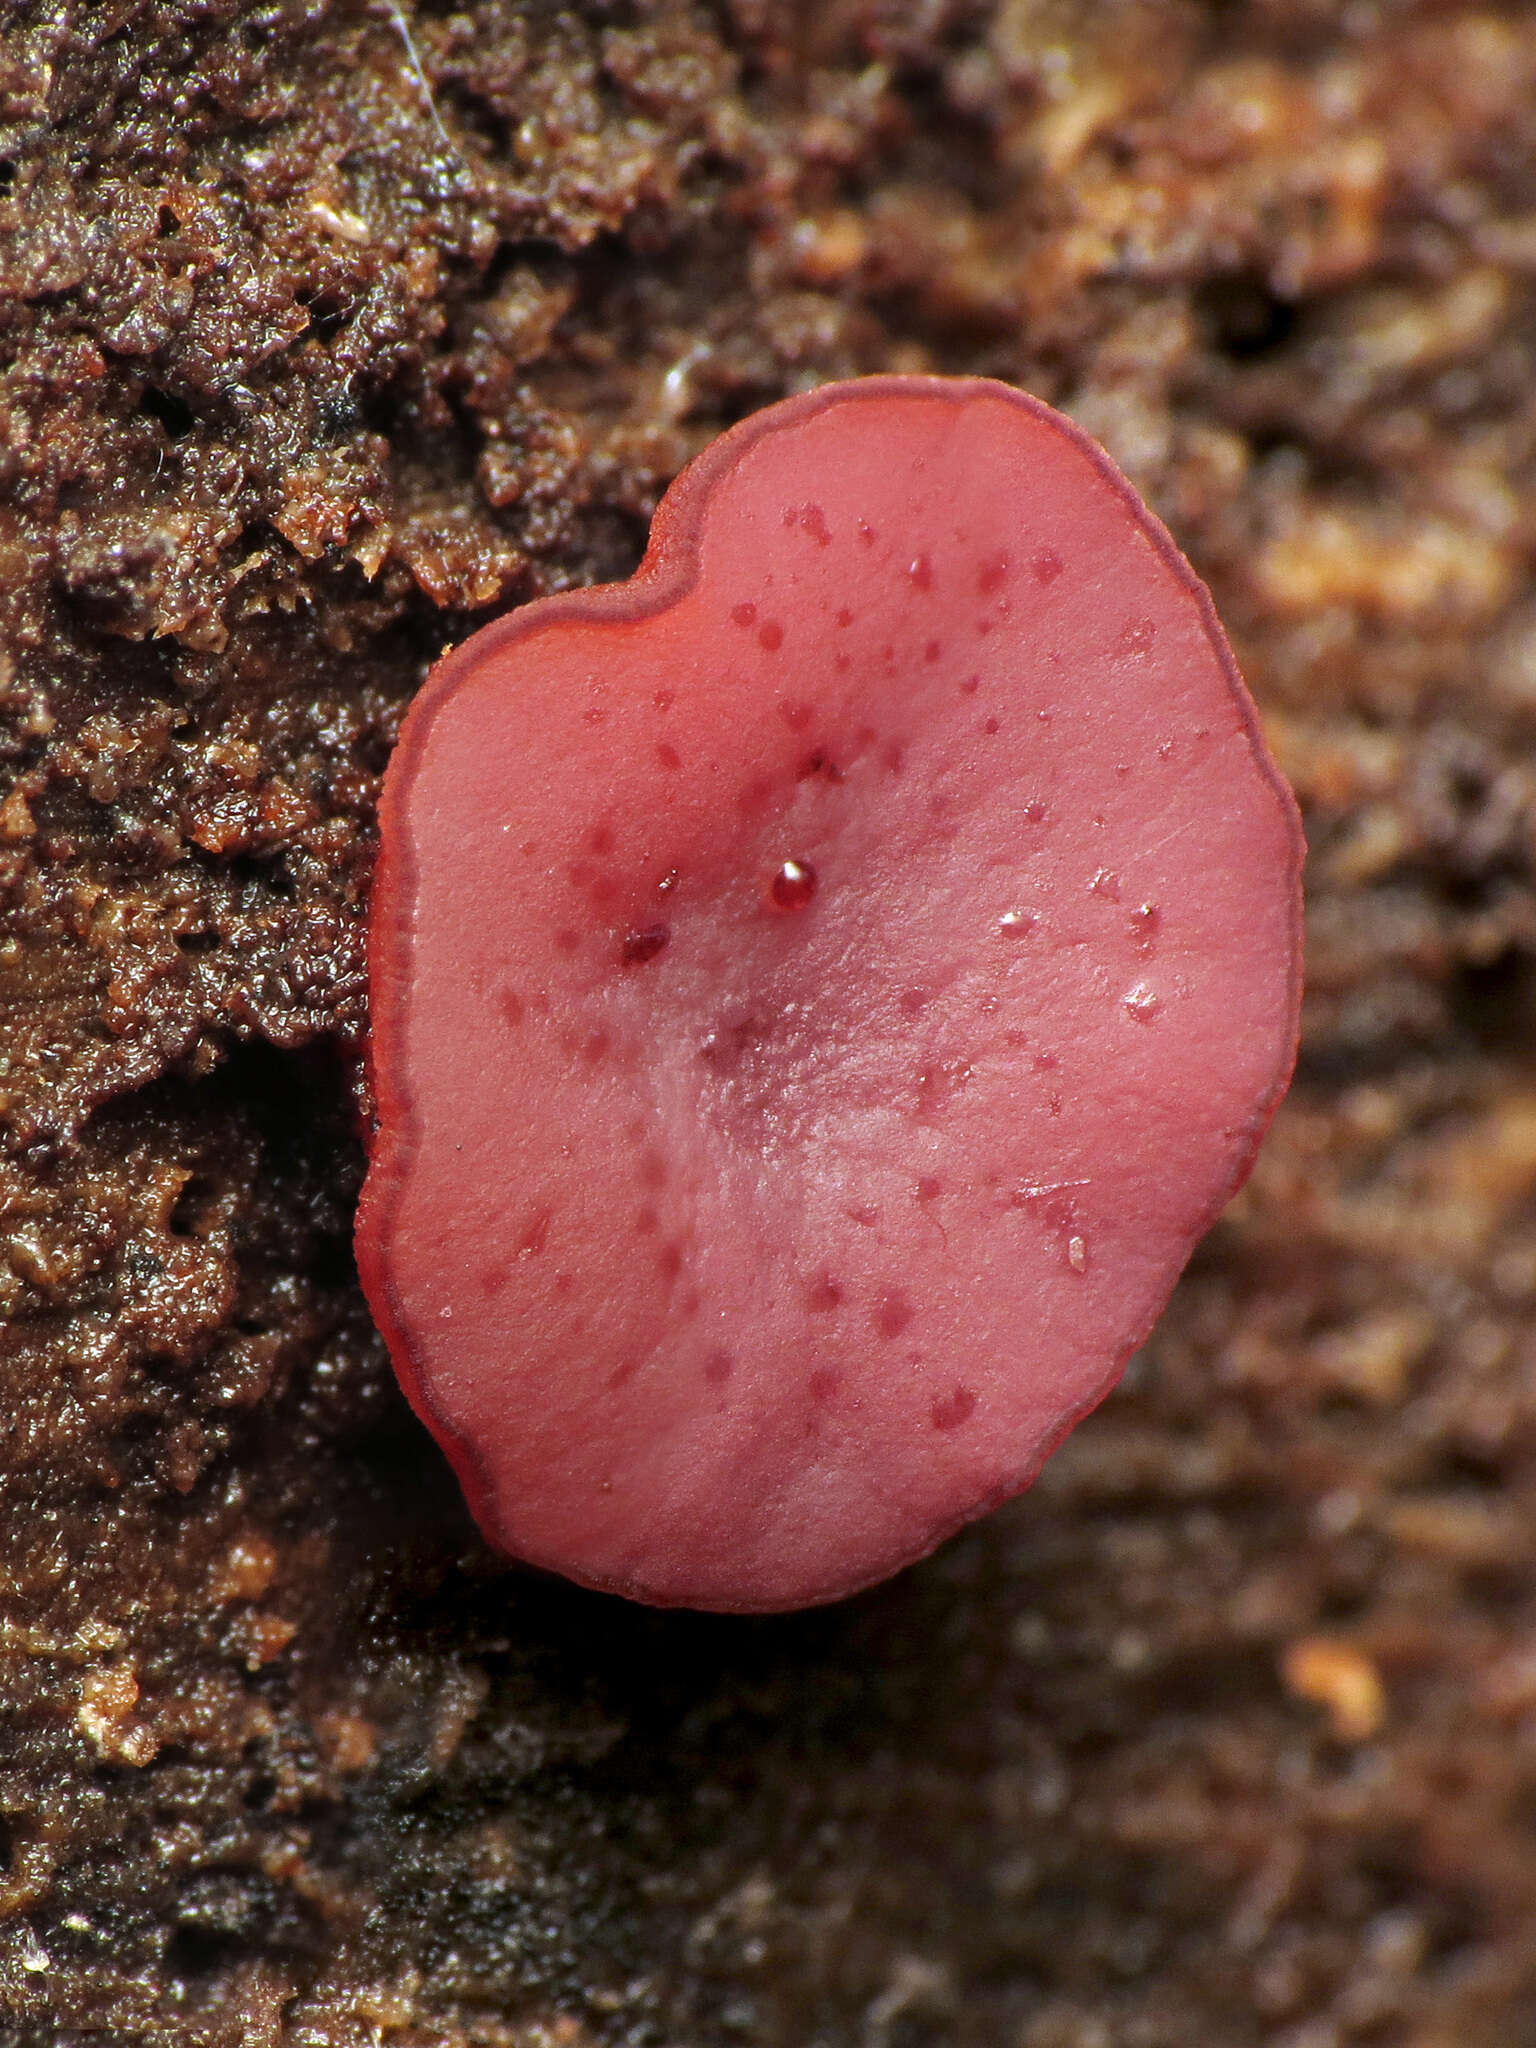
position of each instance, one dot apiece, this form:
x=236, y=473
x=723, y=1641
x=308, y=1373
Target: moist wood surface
x=327, y=330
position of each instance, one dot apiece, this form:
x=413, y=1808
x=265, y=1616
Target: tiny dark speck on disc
x=638, y=947
x=951, y=1409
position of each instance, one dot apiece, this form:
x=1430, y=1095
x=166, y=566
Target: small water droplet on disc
x=892, y=1314
x=535, y=1235
x=793, y=886
x=1142, y=1003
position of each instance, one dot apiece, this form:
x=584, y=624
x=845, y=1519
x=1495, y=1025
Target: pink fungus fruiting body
x=828, y=983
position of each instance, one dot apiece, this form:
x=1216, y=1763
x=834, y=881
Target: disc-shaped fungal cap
x=821, y=991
